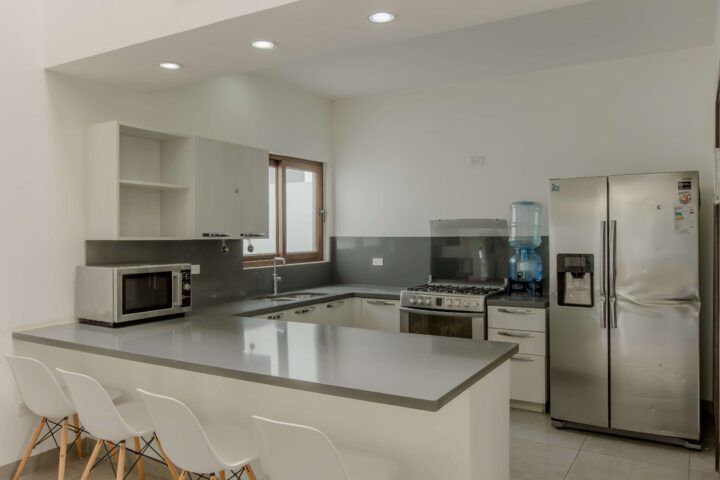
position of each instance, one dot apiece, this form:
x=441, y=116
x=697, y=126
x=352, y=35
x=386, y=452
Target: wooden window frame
x=281, y=164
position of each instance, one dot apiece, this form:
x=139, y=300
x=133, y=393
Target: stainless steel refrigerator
x=624, y=305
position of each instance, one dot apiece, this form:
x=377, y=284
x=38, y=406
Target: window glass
x=301, y=205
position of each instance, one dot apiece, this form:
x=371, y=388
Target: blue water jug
x=525, y=236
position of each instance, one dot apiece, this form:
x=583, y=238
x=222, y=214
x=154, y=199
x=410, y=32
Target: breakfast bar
x=436, y=405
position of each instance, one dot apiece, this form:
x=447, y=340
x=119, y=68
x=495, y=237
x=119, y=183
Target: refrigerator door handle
x=612, y=272
x=603, y=279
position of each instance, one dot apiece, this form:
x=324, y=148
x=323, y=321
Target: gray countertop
x=252, y=307
x=414, y=371
x=518, y=300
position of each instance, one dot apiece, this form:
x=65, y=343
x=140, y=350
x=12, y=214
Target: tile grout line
x=576, y=457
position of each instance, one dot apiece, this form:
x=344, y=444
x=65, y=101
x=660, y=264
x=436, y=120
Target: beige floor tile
x=536, y=427
x=694, y=475
x=539, y=461
x=595, y=466
x=638, y=450
x=703, y=461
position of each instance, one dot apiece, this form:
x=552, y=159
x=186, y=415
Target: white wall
x=402, y=159
x=41, y=188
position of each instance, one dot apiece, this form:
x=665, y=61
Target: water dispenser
x=576, y=280
x=525, y=272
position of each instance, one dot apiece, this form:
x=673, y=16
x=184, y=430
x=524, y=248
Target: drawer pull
x=517, y=335
x=335, y=304
x=380, y=302
x=303, y=311
x=516, y=311
x=276, y=316
x=522, y=358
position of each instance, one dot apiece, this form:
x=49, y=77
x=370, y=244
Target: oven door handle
x=441, y=313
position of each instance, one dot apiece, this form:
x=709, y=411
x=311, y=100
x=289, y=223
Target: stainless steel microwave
x=113, y=295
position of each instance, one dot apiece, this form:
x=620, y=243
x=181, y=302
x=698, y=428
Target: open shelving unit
x=139, y=183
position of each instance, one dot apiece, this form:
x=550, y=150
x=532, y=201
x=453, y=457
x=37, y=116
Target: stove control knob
x=412, y=299
x=427, y=301
x=448, y=302
x=476, y=305
x=457, y=301
x=465, y=304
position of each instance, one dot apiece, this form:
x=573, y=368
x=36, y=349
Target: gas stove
x=448, y=296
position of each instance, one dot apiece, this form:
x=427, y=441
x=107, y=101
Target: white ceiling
x=594, y=31
x=303, y=29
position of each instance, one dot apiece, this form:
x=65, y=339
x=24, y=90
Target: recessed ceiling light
x=264, y=44
x=170, y=65
x=381, y=17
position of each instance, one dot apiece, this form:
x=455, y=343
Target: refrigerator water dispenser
x=575, y=280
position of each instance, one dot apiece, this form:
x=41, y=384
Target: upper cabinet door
x=231, y=189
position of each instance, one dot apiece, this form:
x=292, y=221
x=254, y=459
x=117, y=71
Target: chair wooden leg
x=121, y=462
x=140, y=461
x=222, y=474
x=30, y=448
x=78, y=436
x=250, y=472
x=170, y=466
x=63, y=449
x=91, y=461
x=213, y=477
x=183, y=475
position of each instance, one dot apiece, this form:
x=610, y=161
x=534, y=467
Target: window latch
x=322, y=213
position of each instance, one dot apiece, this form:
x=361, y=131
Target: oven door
x=147, y=292
x=443, y=324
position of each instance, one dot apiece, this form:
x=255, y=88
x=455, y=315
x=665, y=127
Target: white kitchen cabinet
x=231, y=190
x=528, y=368
x=377, y=314
x=138, y=183
x=142, y=184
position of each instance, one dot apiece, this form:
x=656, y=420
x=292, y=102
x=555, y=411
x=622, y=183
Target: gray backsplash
x=221, y=278
x=406, y=262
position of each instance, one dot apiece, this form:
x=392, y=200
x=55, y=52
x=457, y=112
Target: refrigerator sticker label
x=685, y=197
x=685, y=184
x=685, y=220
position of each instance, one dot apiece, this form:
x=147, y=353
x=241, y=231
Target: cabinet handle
x=522, y=358
x=515, y=311
x=518, y=335
x=252, y=235
x=215, y=235
x=335, y=304
x=276, y=316
x=380, y=302
x=303, y=311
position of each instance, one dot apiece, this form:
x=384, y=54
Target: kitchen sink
x=289, y=297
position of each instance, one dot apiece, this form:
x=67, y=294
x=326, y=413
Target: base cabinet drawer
x=517, y=318
x=527, y=378
x=531, y=343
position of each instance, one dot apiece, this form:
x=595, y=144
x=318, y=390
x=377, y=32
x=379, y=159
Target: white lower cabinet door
x=307, y=314
x=527, y=378
x=377, y=314
x=338, y=313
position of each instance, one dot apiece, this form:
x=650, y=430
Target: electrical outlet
x=195, y=269
x=377, y=262
x=477, y=161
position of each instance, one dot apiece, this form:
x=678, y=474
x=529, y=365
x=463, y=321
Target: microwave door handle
x=176, y=289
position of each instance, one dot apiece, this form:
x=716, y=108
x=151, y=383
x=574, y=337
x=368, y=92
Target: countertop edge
x=351, y=393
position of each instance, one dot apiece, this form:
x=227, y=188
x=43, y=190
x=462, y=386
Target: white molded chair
x=198, y=449
x=111, y=424
x=289, y=452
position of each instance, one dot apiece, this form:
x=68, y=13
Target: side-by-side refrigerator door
x=654, y=304
x=578, y=307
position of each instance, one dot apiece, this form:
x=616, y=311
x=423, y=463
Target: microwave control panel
x=186, y=288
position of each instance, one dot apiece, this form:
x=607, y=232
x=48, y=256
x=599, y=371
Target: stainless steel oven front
x=443, y=323
x=117, y=294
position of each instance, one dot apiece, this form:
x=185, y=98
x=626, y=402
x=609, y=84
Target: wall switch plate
x=378, y=262
x=195, y=269
x=477, y=161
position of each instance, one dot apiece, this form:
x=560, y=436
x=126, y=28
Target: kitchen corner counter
x=519, y=301
x=252, y=307
x=414, y=371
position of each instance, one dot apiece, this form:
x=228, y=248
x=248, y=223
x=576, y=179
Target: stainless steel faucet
x=276, y=278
